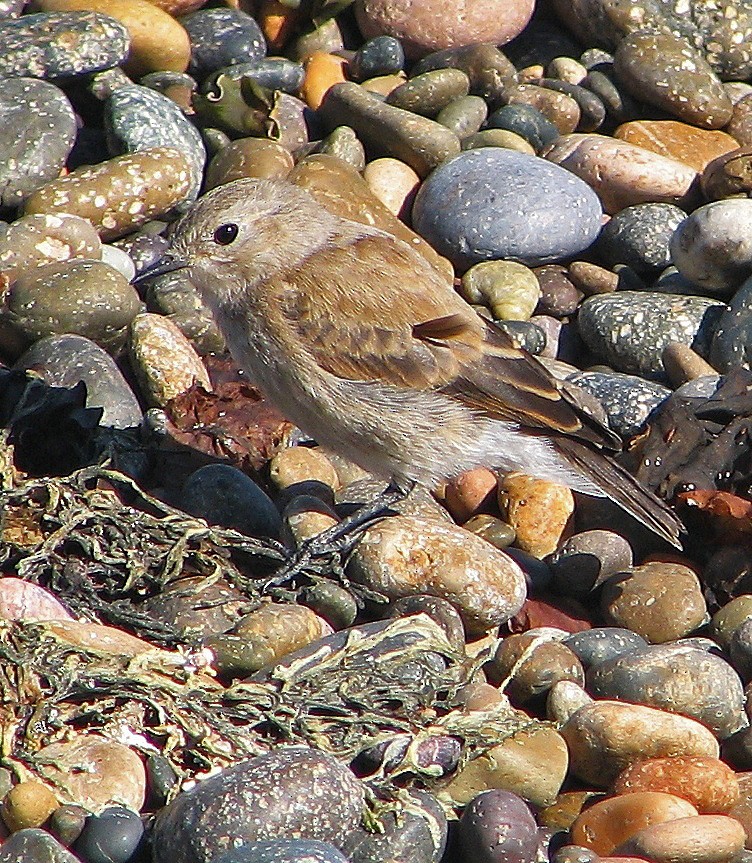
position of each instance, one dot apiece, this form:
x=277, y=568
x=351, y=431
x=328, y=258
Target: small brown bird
x=361, y=343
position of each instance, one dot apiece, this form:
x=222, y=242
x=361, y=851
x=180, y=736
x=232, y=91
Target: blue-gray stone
x=527, y=122
x=630, y=329
x=495, y=203
x=274, y=73
x=36, y=136
x=587, y=559
x=627, y=399
x=700, y=388
x=221, y=37
x=61, y=44
x=732, y=342
x=382, y=55
x=34, y=845
x=224, y=495
x=137, y=118
x=63, y=361
x=593, y=646
x=283, y=851
x=110, y=837
x=639, y=237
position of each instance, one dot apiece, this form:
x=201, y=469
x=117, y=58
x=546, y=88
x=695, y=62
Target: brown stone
x=700, y=839
x=299, y=464
x=530, y=665
x=469, y=493
x=565, y=810
x=322, y=71
x=541, y=512
x=608, y=823
x=729, y=175
x=675, y=140
x=742, y=811
x=28, y=804
x=249, y=158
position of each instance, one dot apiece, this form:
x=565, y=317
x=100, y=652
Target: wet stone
x=498, y=827
x=224, y=495
x=61, y=44
x=627, y=399
x=603, y=643
x=283, y=851
x=344, y=144
x=86, y=298
x=558, y=108
x=118, y=195
x=527, y=122
x=539, y=511
x=382, y=55
x=559, y=297
x=34, y=846
x=429, y=93
x=639, y=237
x=112, y=836
x=630, y=329
x=480, y=205
x=36, y=136
x=675, y=678
x=667, y=72
x=260, y=799
x=587, y=559
x=222, y=37
x=464, y=116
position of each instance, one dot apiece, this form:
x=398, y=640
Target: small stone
x=430, y=92
x=729, y=175
x=484, y=64
x=639, y=237
x=464, y=116
x=604, y=737
x=528, y=666
x=322, y=71
x=559, y=296
x=336, y=605
x=112, y=836
x=564, y=698
x=681, y=141
x=118, y=195
x=67, y=822
x=382, y=55
x=701, y=839
x=527, y=122
x=660, y=601
x=608, y=823
x=707, y=783
x=602, y=643
x=260, y=799
x=283, y=851
x=24, y=600
x=539, y=511
x=729, y=618
x=28, y=804
x=630, y=329
x=740, y=125
x=32, y=845
x=497, y=138
x=560, y=109
x=683, y=365
x=587, y=559
x=485, y=586
x=492, y=529
x=394, y=183
x=294, y=465
x=667, y=72
x=498, y=827
x=221, y=37
x=731, y=344
x=510, y=290
x=307, y=515
x=623, y=174
x=480, y=205
x=248, y=157
x=345, y=145
x=470, y=493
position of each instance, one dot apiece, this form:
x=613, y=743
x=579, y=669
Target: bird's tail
x=622, y=488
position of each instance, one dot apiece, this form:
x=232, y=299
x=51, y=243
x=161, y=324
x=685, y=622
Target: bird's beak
x=168, y=263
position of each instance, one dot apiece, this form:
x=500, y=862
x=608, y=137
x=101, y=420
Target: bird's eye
x=225, y=234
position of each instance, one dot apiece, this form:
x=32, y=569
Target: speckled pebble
x=221, y=37
x=698, y=839
x=528, y=665
x=261, y=799
x=639, y=237
x=527, y=122
x=36, y=136
x=430, y=92
x=482, y=204
x=541, y=512
x=464, y=116
x=630, y=329
x=28, y=804
x=681, y=141
x=61, y=44
x=283, y=851
x=732, y=342
x=602, y=643
x=627, y=399
x=32, y=845
x=382, y=55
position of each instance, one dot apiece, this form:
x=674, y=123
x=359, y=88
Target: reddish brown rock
x=675, y=140
x=469, y=493
x=700, y=839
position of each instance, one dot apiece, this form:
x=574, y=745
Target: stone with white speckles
x=61, y=44
x=118, y=195
x=293, y=793
x=222, y=37
x=283, y=851
x=138, y=119
x=36, y=136
x=639, y=237
x=627, y=399
x=497, y=203
x=732, y=342
x=630, y=329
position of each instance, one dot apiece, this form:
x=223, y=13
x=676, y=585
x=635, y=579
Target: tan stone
x=541, y=512
x=28, y=804
x=322, y=71
x=675, y=140
x=700, y=839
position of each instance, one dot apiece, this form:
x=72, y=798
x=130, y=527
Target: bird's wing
x=422, y=335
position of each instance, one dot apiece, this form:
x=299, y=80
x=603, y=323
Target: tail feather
x=622, y=488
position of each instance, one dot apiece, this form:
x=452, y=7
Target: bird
x=366, y=346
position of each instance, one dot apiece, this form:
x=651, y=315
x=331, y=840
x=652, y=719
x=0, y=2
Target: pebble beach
x=500, y=671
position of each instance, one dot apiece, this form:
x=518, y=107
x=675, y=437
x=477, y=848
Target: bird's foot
x=319, y=552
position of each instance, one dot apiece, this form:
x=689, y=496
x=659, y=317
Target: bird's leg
x=341, y=537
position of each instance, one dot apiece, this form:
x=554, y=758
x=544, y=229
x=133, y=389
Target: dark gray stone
x=382, y=55
x=495, y=203
x=34, y=846
x=221, y=37
x=602, y=643
x=732, y=342
x=283, y=851
x=527, y=122
x=630, y=329
x=110, y=837
x=60, y=44
x=639, y=237
x=36, y=136
x=586, y=559
x=291, y=791
x=274, y=73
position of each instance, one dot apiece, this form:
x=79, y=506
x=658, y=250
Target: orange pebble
x=322, y=71
x=278, y=22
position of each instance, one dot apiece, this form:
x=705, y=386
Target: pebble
x=118, y=195
x=85, y=298
x=322, y=71
x=36, y=138
x=608, y=823
x=603, y=643
x=498, y=827
x=683, y=365
x=112, y=836
x=32, y=845
x=65, y=360
x=623, y=174
x=711, y=246
x=283, y=851
x=394, y=183
x=587, y=559
x=627, y=399
x=345, y=145
x=28, y=804
x=560, y=109
x=24, y=600
x=668, y=73
x=527, y=666
x=470, y=493
x=728, y=619
x=405, y=555
x=429, y=27
x=707, y=783
x=481, y=204
x=510, y=290
x=224, y=495
x=295, y=465
x=163, y=360
x=222, y=37
x=539, y=511
x=630, y=329
x=67, y=822
x=699, y=839
x=464, y=116
x=675, y=140
x=731, y=347
x=527, y=122
x=677, y=678
x=604, y=737
x=251, y=158
x=61, y=44
x=497, y=138
x=430, y=92
x=421, y=143
x=729, y=175
x=660, y=601
x=639, y=237
x=260, y=799
x=381, y=55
